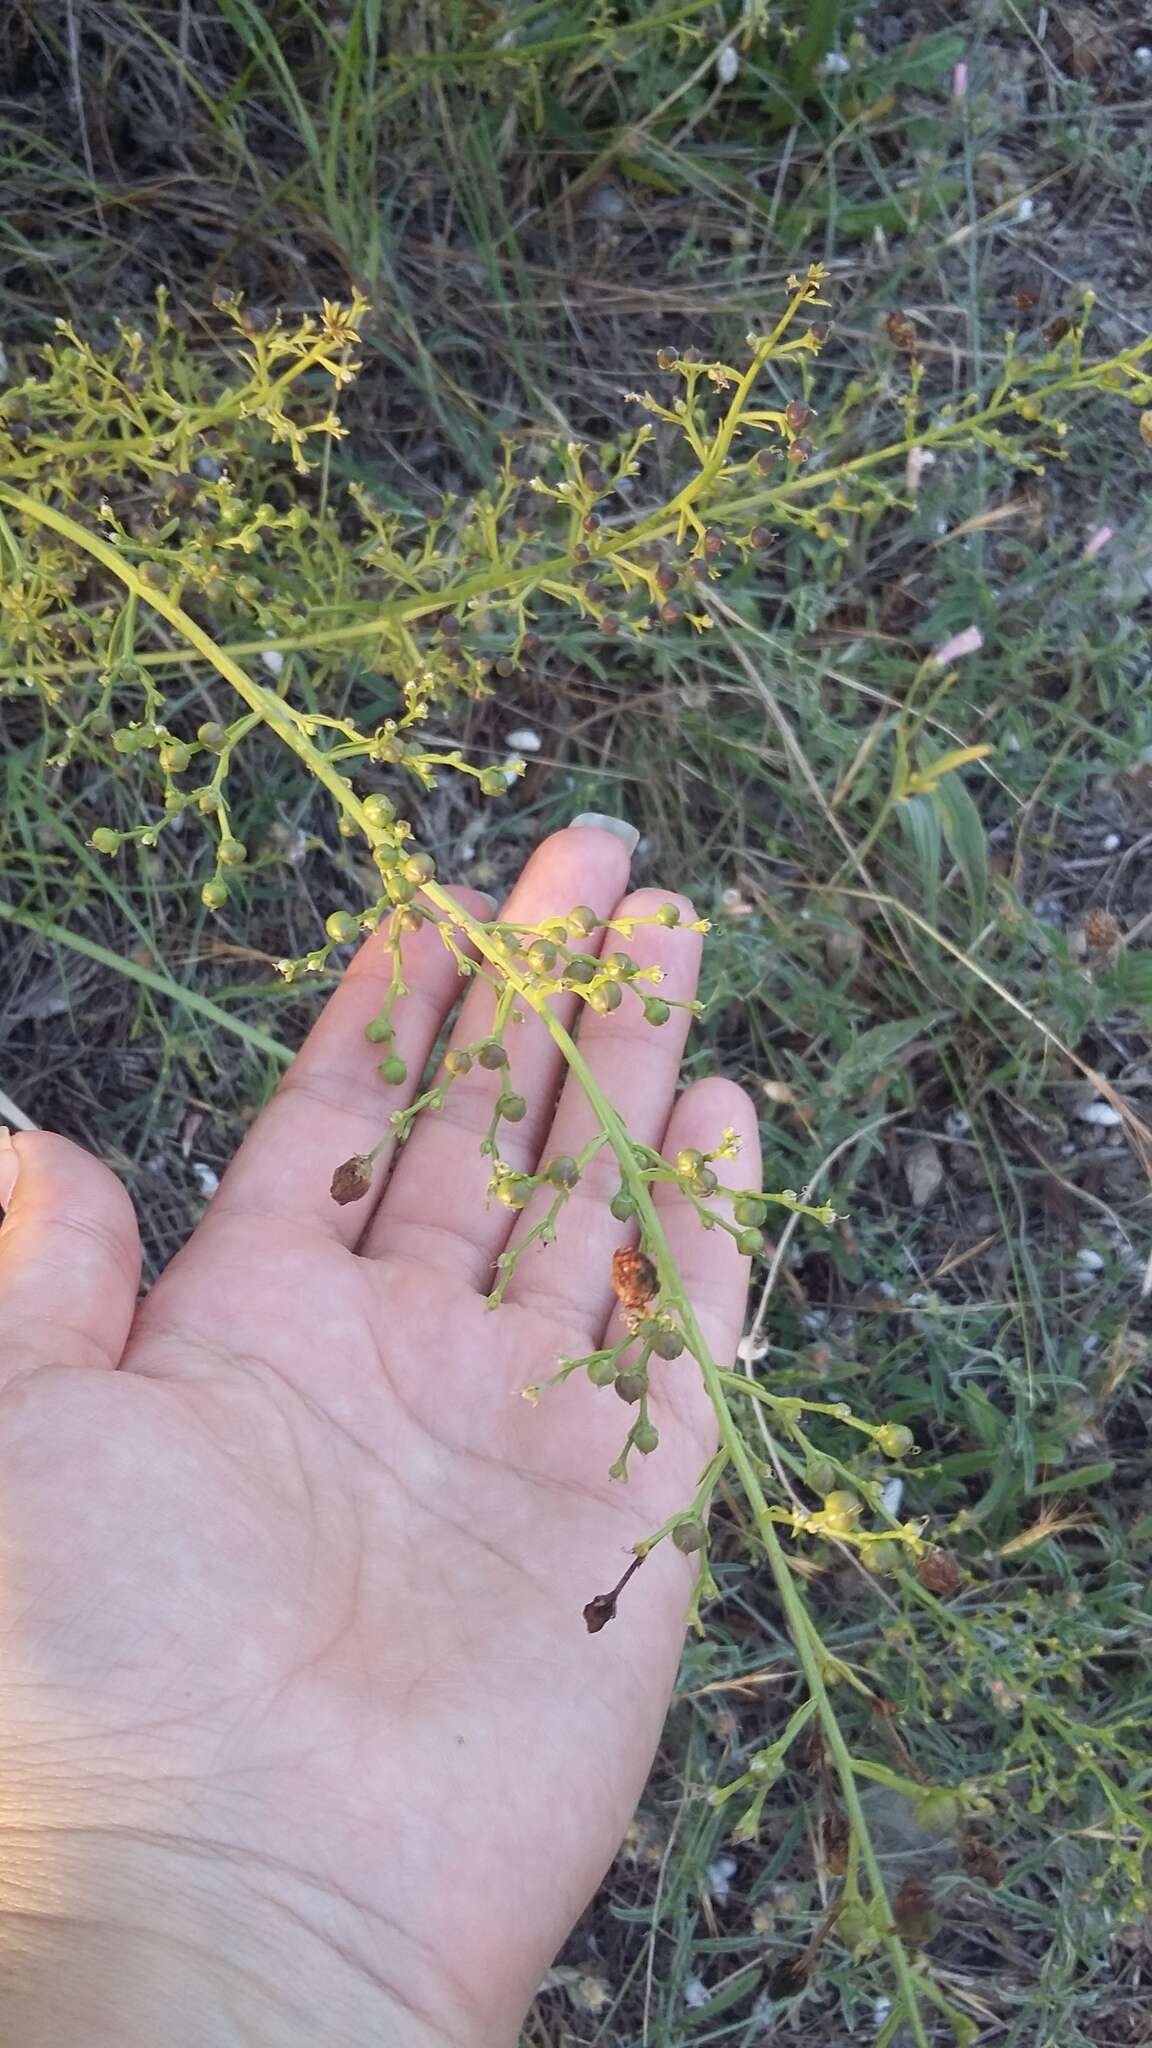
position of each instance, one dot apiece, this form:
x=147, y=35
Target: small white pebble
x=1090, y=1345
x=727, y=64
x=750, y=1351
x=1089, y=1260
x=720, y=1875
x=524, y=740
x=891, y=1495
x=816, y=1319
x=1098, y=1112
x=273, y=661
x=881, y=2013
x=1025, y=210
x=206, y=1178
x=607, y=202
x=957, y=1123
x=1142, y=57
x=1110, y=842
x=694, y=1994
x=1011, y=743
x=835, y=64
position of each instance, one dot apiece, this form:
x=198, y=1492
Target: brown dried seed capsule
x=352, y=1180
x=1057, y=330
x=666, y=576
x=796, y=416
x=450, y=624
x=595, y=591
x=634, y=1277
x=492, y=1055
x=939, y=1572
x=766, y=460
x=690, y=355
x=714, y=540
x=609, y=625
x=581, y=551
x=761, y=537
x=689, y=1536
x=799, y=451
x=671, y=614
x=599, y=1612
x=590, y=522
x=530, y=643
x=902, y=332
x=666, y=359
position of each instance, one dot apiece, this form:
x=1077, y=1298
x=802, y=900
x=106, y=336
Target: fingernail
x=9, y=1166
x=599, y=821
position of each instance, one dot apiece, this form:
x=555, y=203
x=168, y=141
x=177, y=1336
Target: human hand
x=304, y=1737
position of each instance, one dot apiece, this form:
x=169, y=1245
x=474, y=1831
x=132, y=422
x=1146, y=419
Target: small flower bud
x=689, y=1536
x=492, y=1055
x=393, y=1071
x=563, y=1172
x=668, y=1344
x=894, y=1439
x=105, y=840
x=214, y=894
x=513, y=1108
x=378, y=1031
x=631, y=1386
x=352, y=1180
x=457, y=1062
x=342, y=928
x=645, y=1436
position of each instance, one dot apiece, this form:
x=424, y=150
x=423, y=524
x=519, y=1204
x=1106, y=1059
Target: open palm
x=293, y=1673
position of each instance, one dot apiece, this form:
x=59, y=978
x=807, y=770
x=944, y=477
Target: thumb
x=69, y=1256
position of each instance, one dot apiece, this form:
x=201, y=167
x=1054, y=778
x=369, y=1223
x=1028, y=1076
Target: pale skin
x=302, y=1736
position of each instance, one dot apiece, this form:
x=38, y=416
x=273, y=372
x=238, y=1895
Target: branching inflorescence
x=180, y=576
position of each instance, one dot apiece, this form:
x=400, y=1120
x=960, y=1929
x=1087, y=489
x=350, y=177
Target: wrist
x=115, y=1941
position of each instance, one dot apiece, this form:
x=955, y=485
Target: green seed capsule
x=379, y=1031
x=631, y=1385
x=562, y=1172
x=342, y=928
x=105, y=840
x=542, y=956
x=582, y=921
x=126, y=741
x=646, y=1437
x=820, y=1475
x=622, y=1207
x=378, y=811
x=211, y=735
x=668, y=1344
x=621, y=966
x=492, y=1055
x=232, y=853
x=750, y=1211
x=602, y=1372
x=668, y=915
x=894, y=1439
x=581, y=969
x=750, y=1243
x=175, y=757
x=457, y=1063
x=689, y=1536
x=703, y=1183
x=393, y=1070
x=689, y=1161
x=513, y=1108
x=938, y=1812
x=656, y=1010
x=493, y=782
x=214, y=894
x=419, y=867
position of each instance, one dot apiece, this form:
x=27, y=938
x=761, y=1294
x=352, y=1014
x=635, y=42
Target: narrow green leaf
x=963, y=829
